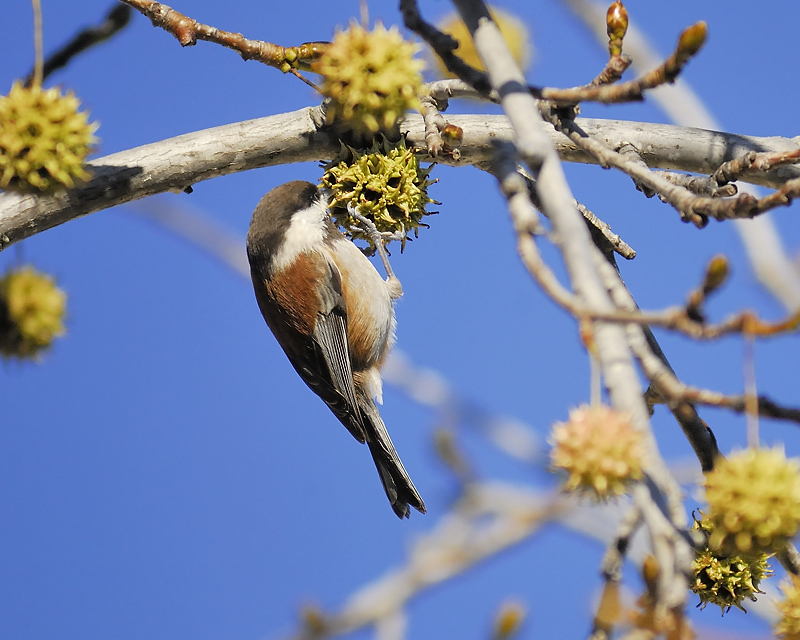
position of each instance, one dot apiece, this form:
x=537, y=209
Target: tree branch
x=770, y=261
x=659, y=497
x=177, y=163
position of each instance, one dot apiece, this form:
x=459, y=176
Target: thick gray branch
x=177, y=163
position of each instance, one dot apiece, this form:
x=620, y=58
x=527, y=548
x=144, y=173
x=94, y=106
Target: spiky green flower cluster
x=371, y=77
x=600, y=449
x=31, y=313
x=727, y=580
x=386, y=184
x=788, y=626
x=753, y=502
x=44, y=139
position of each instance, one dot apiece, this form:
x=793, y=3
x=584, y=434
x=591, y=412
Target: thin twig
x=772, y=265
x=38, y=43
x=614, y=557
x=188, y=31
x=671, y=389
x=527, y=226
x=692, y=208
x=574, y=242
x=113, y=23
x=602, y=229
x=754, y=161
x=700, y=185
x=612, y=72
x=689, y=44
x=444, y=45
x=645, y=346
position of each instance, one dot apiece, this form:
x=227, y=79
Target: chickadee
x=332, y=314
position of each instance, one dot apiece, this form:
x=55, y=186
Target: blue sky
x=164, y=473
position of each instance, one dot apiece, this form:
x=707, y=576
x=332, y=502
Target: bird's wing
x=313, y=332
x=330, y=336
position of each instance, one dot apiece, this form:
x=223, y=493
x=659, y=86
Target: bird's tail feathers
x=395, y=479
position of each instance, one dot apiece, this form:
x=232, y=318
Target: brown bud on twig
x=616, y=27
x=692, y=39
x=717, y=273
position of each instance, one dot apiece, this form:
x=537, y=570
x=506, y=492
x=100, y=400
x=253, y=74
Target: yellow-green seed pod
x=372, y=78
x=600, y=449
x=386, y=184
x=788, y=626
x=32, y=309
x=44, y=139
x=753, y=502
x=726, y=580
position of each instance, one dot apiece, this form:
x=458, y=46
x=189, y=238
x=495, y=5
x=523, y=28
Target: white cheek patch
x=306, y=232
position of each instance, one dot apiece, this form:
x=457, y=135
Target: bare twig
x=443, y=90
x=188, y=31
x=692, y=208
x=753, y=161
x=487, y=520
x=116, y=20
x=612, y=72
x=690, y=42
x=700, y=185
x=527, y=226
x=765, y=249
x=444, y=46
x=614, y=557
x=490, y=518
x=602, y=235
x=661, y=492
x=603, y=229
x=681, y=319
x=38, y=44
x=673, y=390
x=644, y=345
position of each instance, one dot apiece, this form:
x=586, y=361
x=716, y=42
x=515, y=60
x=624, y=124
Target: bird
x=332, y=314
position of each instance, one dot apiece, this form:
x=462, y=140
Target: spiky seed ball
x=511, y=28
x=31, y=313
x=753, y=502
x=726, y=580
x=44, y=139
x=600, y=449
x=372, y=78
x=788, y=626
x=385, y=184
